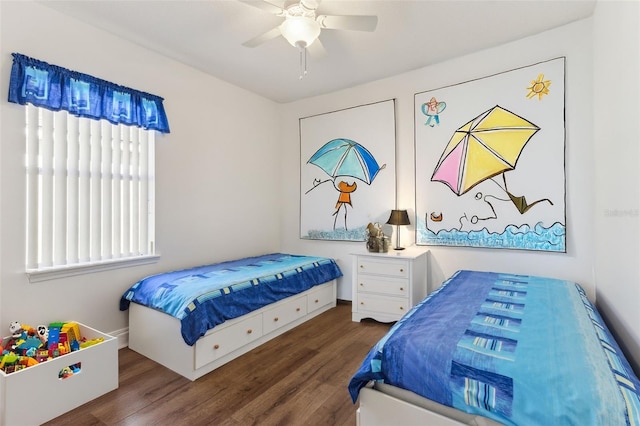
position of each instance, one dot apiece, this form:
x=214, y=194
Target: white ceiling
x=208, y=35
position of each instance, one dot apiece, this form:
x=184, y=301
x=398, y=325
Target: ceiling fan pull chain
x=303, y=62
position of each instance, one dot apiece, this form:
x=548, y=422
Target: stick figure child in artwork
x=343, y=199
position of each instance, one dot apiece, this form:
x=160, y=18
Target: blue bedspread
x=205, y=296
x=520, y=350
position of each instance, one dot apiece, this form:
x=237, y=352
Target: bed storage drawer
x=227, y=339
x=382, y=304
x=283, y=314
x=320, y=297
x=158, y=336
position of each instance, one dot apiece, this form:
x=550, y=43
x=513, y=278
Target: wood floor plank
x=300, y=377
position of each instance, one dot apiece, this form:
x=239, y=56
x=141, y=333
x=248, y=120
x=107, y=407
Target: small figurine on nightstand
x=377, y=242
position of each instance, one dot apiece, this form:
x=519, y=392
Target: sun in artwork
x=539, y=87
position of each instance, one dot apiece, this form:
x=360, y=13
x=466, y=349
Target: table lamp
x=398, y=217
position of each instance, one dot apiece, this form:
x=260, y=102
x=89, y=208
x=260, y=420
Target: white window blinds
x=90, y=190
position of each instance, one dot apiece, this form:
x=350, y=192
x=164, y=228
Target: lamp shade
x=398, y=217
x=300, y=31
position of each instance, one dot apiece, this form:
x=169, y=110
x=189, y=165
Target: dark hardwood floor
x=299, y=378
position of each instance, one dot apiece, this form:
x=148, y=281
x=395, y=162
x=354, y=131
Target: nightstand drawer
x=382, y=285
x=397, y=306
x=391, y=267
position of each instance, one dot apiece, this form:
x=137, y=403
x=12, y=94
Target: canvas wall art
x=347, y=171
x=490, y=161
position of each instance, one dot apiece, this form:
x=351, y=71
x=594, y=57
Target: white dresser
x=387, y=285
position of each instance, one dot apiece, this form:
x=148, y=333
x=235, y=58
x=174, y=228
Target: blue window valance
x=56, y=88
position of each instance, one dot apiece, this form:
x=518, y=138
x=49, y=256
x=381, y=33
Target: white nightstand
x=387, y=285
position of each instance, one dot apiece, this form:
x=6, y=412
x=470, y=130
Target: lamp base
x=398, y=248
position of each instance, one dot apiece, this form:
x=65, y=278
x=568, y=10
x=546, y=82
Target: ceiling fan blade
x=310, y=4
x=316, y=50
x=265, y=6
x=352, y=22
x=271, y=34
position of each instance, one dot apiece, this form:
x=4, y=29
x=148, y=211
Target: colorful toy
x=28, y=343
x=15, y=328
x=43, y=333
x=72, y=331
x=86, y=343
x=54, y=335
x=42, y=355
x=28, y=346
x=65, y=372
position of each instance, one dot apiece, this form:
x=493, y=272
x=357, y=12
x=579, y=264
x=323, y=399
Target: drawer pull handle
x=216, y=346
x=362, y=303
x=401, y=308
x=249, y=331
x=316, y=301
x=361, y=284
x=401, y=270
x=401, y=288
x=362, y=266
x=297, y=309
x=275, y=319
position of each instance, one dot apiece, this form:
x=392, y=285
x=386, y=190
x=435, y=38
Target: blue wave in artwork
x=340, y=234
x=517, y=237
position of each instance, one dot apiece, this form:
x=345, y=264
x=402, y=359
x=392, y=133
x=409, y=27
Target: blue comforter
x=520, y=350
x=206, y=296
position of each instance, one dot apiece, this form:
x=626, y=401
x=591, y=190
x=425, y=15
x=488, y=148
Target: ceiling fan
x=302, y=25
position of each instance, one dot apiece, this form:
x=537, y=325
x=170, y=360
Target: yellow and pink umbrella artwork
x=486, y=146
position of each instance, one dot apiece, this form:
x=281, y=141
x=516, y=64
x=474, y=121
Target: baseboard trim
x=123, y=337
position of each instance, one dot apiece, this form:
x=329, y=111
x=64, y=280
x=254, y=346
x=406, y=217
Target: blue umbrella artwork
x=344, y=158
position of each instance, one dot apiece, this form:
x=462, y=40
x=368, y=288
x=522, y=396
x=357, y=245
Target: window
x=89, y=169
x=90, y=193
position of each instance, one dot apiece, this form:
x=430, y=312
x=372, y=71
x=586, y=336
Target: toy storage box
x=36, y=394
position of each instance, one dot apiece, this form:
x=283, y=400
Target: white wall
x=217, y=175
x=616, y=129
x=602, y=157
x=573, y=41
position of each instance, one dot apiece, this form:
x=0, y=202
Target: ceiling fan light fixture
x=300, y=31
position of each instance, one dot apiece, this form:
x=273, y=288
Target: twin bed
x=193, y=321
x=489, y=348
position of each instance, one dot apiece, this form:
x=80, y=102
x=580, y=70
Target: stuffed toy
x=15, y=328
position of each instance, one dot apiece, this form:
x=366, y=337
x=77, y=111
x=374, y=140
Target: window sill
x=55, y=272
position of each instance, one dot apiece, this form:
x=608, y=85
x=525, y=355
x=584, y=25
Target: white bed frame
x=157, y=336
x=383, y=405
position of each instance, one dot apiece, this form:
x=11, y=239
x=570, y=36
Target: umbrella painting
x=341, y=159
x=485, y=147
x=347, y=171
x=491, y=174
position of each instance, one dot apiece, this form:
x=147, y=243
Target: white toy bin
x=37, y=394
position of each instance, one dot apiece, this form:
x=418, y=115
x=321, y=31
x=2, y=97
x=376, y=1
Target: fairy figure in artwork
x=432, y=110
